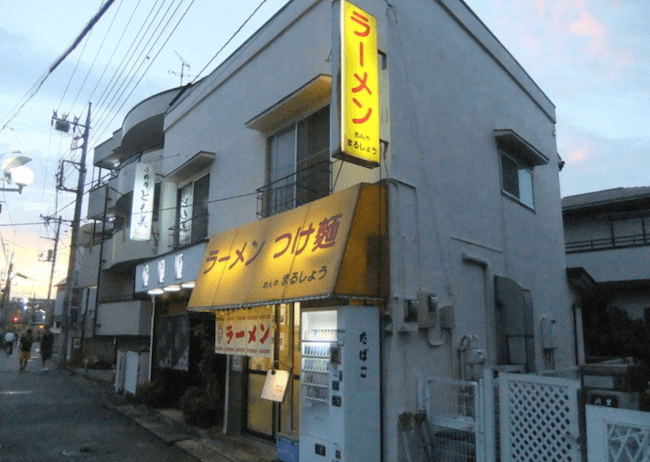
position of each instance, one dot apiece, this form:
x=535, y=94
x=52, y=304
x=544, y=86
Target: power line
x=228, y=41
x=151, y=59
x=110, y=27
x=83, y=33
x=36, y=87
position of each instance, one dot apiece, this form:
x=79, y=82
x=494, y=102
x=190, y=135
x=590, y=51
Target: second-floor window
x=192, y=222
x=298, y=164
x=517, y=180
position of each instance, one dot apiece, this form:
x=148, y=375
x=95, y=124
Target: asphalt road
x=54, y=416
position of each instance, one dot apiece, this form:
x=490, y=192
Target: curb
x=204, y=445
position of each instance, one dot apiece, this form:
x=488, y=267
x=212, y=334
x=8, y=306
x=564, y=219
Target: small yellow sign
x=360, y=117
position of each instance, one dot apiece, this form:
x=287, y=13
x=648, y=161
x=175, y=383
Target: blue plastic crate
x=287, y=448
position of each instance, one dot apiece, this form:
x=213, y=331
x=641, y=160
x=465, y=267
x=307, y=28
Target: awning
x=328, y=249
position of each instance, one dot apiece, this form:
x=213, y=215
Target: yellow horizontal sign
x=291, y=256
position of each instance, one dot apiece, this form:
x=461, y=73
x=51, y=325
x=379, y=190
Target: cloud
x=581, y=28
x=595, y=163
x=579, y=153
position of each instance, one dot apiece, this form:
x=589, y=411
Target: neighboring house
x=607, y=240
x=448, y=256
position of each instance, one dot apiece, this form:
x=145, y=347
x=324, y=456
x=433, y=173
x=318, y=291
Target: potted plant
x=202, y=404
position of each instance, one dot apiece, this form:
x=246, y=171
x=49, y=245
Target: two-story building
x=607, y=241
x=359, y=198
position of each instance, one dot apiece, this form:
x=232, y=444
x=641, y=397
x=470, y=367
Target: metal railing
x=190, y=231
x=299, y=188
x=616, y=242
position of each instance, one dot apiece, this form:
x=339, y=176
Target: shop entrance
x=264, y=417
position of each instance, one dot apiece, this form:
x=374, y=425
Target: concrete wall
x=451, y=229
x=614, y=265
x=124, y=318
x=451, y=85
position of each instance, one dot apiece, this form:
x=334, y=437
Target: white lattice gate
x=617, y=435
x=538, y=418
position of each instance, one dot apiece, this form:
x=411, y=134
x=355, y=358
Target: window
x=518, y=158
x=298, y=164
x=192, y=221
x=517, y=180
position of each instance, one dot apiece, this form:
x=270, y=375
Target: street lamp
x=15, y=171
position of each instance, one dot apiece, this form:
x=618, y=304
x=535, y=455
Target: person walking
x=26, y=342
x=10, y=338
x=47, y=343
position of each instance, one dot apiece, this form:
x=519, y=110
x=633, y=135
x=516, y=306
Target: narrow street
x=54, y=416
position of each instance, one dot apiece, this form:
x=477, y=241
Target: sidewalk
x=168, y=424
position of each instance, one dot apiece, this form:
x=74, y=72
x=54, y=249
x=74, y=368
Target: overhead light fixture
x=156, y=291
x=172, y=288
x=188, y=285
x=15, y=171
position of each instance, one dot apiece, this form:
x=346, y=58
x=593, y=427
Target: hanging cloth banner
x=245, y=332
x=143, y=200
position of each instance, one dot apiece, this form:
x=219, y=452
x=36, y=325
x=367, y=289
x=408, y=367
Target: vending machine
x=340, y=383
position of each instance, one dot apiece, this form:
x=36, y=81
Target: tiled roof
x=605, y=197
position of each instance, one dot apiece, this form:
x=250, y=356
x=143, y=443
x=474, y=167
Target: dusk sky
x=590, y=57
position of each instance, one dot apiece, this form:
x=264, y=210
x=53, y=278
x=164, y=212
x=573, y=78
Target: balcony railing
x=616, y=242
x=189, y=232
x=299, y=188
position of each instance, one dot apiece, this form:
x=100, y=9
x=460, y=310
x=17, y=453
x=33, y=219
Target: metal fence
x=454, y=424
x=299, y=188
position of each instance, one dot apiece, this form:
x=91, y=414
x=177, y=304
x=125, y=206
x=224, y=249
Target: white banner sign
x=245, y=332
x=143, y=199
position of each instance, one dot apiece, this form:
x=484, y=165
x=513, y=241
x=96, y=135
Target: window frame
x=525, y=198
x=193, y=235
x=301, y=163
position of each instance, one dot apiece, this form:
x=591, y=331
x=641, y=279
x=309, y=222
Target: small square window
x=517, y=180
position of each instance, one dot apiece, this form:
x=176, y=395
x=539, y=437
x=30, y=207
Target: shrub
x=201, y=406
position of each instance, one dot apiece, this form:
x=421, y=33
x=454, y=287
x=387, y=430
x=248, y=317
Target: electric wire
x=117, y=45
x=92, y=65
x=39, y=83
x=151, y=59
x=74, y=71
x=228, y=41
x=154, y=58
x=113, y=100
x=126, y=59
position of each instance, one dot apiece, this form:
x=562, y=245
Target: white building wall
x=614, y=265
x=452, y=230
x=223, y=103
x=444, y=109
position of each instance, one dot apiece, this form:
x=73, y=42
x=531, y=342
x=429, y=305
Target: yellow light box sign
x=360, y=115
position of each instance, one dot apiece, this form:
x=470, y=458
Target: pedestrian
x=10, y=338
x=47, y=342
x=26, y=342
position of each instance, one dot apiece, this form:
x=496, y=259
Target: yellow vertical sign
x=359, y=87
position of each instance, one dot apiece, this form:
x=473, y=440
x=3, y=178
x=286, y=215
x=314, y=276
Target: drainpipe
x=99, y=266
x=153, y=317
x=226, y=396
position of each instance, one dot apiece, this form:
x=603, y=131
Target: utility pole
x=63, y=123
x=56, y=245
x=7, y=289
